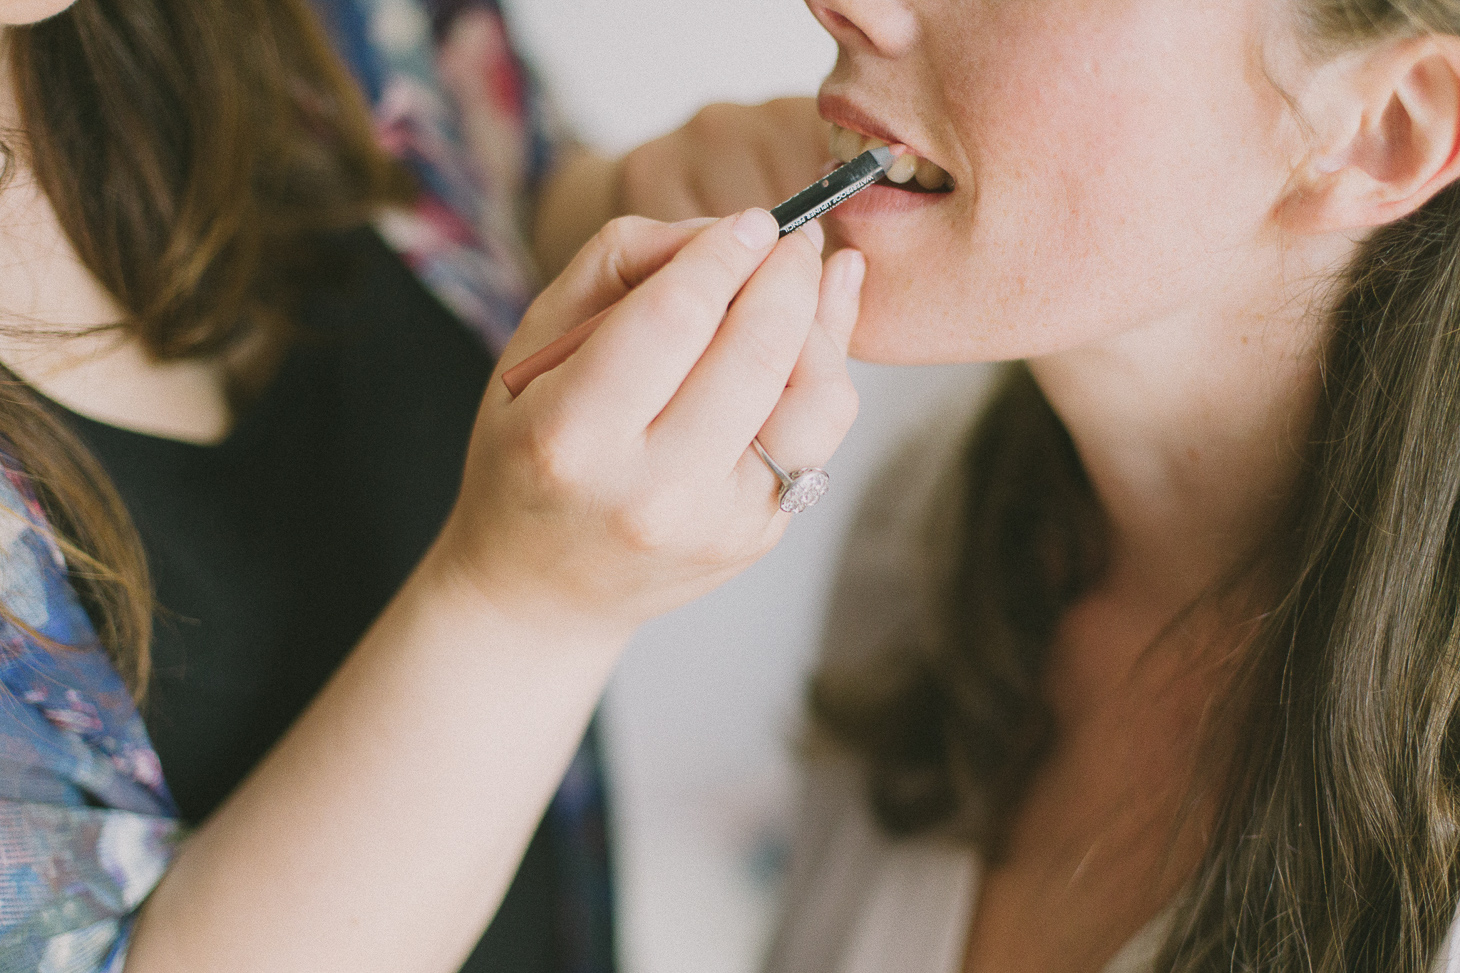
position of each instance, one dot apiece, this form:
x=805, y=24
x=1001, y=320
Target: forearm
x=382, y=831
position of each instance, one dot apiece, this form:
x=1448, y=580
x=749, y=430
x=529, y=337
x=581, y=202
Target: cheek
x=15, y=13
x=1123, y=143
x=1118, y=179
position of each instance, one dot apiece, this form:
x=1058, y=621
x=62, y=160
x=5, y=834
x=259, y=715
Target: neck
x=1192, y=433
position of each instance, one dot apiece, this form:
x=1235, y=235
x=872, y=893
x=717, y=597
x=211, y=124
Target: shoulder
x=86, y=824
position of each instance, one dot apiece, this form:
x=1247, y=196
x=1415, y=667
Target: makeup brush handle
x=550, y=356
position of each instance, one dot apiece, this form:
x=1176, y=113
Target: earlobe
x=1395, y=145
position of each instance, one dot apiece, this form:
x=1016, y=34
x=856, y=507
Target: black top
x=274, y=550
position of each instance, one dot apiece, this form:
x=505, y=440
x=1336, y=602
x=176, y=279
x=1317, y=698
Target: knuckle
x=728, y=262
x=716, y=270
x=619, y=238
x=642, y=526
x=714, y=122
x=648, y=156
x=770, y=536
x=725, y=548
x=641, y=173
x=784, y=106
x=673, y=305
x=623, y=233
x=794, y=271
x=555, y=457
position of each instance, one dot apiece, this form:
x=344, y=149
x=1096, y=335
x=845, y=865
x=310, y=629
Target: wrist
x=454, y=579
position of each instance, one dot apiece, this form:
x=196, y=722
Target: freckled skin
x=1117, y=162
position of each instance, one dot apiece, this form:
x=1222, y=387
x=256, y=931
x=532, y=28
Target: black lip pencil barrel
x=837, y=187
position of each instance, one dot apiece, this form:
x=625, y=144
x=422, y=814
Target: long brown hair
x=1338, y=839
x=196, y=153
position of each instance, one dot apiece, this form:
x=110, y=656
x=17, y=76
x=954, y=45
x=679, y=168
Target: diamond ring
x=800, y=489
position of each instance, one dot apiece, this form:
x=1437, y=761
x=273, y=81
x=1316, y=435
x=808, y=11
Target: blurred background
x=702, y=717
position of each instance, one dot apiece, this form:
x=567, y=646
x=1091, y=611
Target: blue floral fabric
x=87, y=826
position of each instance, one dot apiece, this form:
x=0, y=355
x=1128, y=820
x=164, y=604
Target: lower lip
x=884, y=200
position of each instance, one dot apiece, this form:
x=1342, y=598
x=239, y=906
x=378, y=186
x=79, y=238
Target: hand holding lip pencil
x=712, y=335
x=815, y=200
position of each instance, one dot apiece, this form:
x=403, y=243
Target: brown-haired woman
x=215, y=343
x=1159, y=669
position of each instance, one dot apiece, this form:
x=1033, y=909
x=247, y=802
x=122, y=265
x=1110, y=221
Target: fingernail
x=694, y=224
x=757, y=229
x=813, y=229
x=851, y=269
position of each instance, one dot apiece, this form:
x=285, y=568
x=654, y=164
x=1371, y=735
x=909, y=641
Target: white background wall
x=701, y=713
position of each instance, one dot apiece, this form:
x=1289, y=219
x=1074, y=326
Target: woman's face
x=1116, y=163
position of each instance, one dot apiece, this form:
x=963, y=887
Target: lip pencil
x=838, y=186
x=830, y=190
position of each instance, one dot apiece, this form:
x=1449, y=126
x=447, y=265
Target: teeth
x=930, y=175
x=903, y=168
x=846, y=145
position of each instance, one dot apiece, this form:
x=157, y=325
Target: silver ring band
x=800, y=489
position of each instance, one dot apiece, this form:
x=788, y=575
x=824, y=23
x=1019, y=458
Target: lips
x=855, y=130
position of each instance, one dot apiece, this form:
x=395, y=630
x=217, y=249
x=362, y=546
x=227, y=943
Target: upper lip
x=843, y=112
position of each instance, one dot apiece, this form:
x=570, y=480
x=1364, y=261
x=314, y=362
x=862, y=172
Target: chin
x=876, y=348
x=903, y=325
x=17, y=13
x=879, y=342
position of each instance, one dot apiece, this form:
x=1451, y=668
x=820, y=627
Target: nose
x=887, y=28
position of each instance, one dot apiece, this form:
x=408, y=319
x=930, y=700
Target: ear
x=1389, y=138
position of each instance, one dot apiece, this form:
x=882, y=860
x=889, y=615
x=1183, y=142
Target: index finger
x=651, y=339
x=616, y=260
